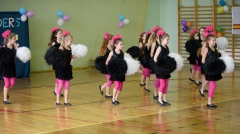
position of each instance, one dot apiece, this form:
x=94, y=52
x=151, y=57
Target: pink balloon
x=30, y=14
x=120, y=24
x=66, y=17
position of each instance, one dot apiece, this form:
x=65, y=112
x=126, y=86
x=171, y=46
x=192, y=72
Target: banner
x=12, y=21
x=235, y=20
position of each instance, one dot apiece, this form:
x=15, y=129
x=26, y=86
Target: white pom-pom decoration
x=222, y=52
x=24, y=54
x=222, y=43
x=179, y=60
x=79, y=50
x=133, y=65
x=127, y=55
x=228, y=60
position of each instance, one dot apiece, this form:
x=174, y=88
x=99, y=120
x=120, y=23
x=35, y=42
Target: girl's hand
x=16, y=45
x=74, y=57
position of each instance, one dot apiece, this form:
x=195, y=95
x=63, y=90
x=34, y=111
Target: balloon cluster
x=186, y=25
x=223, y=7
x=62, y=18
x=123, y=21
x=25, y=14
x=219, y=30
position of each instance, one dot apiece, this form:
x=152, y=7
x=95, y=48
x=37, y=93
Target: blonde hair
x=152, y=38
x=65, y=38
x=10, y=36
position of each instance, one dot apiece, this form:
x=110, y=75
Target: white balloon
x=126, y=21
x=23, y=18
x=60, y=22
x=225, y=8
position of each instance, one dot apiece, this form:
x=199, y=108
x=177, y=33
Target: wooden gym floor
x=33, y=107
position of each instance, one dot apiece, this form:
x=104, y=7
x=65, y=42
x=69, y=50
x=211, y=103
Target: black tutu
x=63, y=73
x=7, y=64
x=117, y=68
x=134, y=51
x=8, y=70
x=164, y=67
x=145, y=60
x=152, y=65
x=100, y=64
x=54, y=56
x=213, y=68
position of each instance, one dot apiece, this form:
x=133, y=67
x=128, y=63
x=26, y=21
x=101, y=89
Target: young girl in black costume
x=61, y=58
x=192, y=45
x=55, y=41
x=100, y=61
x=117, y=67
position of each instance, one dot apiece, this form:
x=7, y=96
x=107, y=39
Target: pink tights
x=163, y=85
x=212, y=87
x=62, y=83
x=146, y=72
x=156, y=83
x=196, y=67
x=8, y=82
x=109, y=83
x=118, y=85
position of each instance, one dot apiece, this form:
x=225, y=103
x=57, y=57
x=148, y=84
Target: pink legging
x=56, y=81
x=196, y=67
x=8, y=82
x=109, y=83
x=62, y=83
x=146, y=72
x=118, y=85
x=212, y=87
x=163, y=85
x=156, y=82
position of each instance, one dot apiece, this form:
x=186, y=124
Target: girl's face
x=119, y=46
x=212, y=41
x=144, y=36
x=13, y=40
x=68, y=42
x=201, y=31
x=59, y=35
x=196, y=36
x=165, y=41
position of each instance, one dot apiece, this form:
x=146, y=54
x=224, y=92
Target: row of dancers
x=152, y=52
x=155, y=58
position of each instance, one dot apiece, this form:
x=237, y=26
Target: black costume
x=7, y=64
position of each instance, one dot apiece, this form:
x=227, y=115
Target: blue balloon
x=121, y=17
x=22, y=11
x=59, y=14
x=222, y=3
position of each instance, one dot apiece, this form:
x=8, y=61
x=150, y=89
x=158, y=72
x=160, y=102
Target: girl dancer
x=115, y=60
x=7, y=66
x=164, y=64
x=153, y=45
x=210, y=58
x=61, y=58
x=55, y=41
x=146, y=72
x=106, y=48
x=192, y=45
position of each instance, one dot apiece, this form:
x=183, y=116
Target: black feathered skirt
x=8, y=70
x=63, y=73
x=117, y=68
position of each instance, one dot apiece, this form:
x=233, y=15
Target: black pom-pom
x=117, y=69
x=214, y=66
x=192, y=46
x=54, y=56
x=134, y=51
x=165, y=66
x=100, y=64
